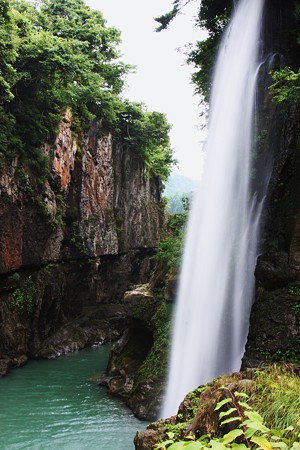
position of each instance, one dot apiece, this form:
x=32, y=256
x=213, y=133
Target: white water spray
x=217, y=275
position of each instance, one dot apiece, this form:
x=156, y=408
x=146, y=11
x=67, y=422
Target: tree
x=59, y=54
x=8, y=53
x=147, y=133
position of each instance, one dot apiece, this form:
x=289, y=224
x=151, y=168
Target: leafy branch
x=167, y=18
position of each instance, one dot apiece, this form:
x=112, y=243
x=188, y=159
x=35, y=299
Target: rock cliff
x=72, y=243
x=275, y=321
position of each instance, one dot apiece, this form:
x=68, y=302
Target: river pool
x=54, y=405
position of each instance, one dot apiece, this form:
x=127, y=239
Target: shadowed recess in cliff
x=217, y=276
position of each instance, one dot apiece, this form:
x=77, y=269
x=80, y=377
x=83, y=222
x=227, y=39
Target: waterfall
x=217, y=276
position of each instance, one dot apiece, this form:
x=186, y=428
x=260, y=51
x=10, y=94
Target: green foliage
x=76, y=240
x=213, y=17
x=294, y=289
x=283, y=356
x=23, y=297
x=56, y=55
x=146, y=133
x=49, y=64
x=165, y=20
x=202, y=58
x=277, y=395
x=64, y=60
x=49, y=268
x=14, y=278
x=193, y=402
x=286, y=86
x=296, y=309
x=154, y=366
x=247, y=429
x=8, y=53
x=169, y=249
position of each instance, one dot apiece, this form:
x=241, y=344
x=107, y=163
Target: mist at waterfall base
x=217, y=276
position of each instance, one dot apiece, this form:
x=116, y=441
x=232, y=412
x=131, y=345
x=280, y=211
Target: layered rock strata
x=72, y=244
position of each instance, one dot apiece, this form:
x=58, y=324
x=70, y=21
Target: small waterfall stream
x=217, y=275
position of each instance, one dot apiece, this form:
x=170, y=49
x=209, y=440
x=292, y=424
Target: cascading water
x=217, y=275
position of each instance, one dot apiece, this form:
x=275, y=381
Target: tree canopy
x=56, y=54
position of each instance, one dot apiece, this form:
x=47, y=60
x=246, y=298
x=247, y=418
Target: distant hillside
x=179, y=184
x=176, y=187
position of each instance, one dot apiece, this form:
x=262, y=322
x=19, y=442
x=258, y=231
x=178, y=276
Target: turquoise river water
x=54, y=405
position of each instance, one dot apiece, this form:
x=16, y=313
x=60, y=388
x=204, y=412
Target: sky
x=162, y=80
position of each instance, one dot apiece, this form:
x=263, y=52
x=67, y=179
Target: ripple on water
x=52, y=405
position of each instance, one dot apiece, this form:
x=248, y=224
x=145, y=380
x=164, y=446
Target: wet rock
x=5, y=365
x=145, y=440
x=273, y=271
x=75, y=336
x=20, y=361
x=138, y=360
x=275, y=327
x=140, y=303
x=74, y=242
x=126, y=357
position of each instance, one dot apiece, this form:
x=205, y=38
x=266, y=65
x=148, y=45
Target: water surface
x=54, y=405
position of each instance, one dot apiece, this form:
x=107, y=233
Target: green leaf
x=279, y=445
x=231, y=419
x=194, y=445
x=204, y=437
x=171, y=435
x=256, y=425
x=253, y=415
x=244, y=405
x=190, y=437
x=163, y=444
x=217, y=445
x=249, y=432
x=276, y=433
x=241, y=394
x=177, y=446
x=262, y=441
x=231, y=436
x=227, y=413
x=222, y=403
x=239, y=446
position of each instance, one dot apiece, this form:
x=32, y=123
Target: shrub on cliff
x=169, y=249
x=59, y=54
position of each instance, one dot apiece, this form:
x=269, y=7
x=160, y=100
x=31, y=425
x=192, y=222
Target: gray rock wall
x=71, y=244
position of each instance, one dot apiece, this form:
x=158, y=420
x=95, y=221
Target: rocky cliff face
x=275, y=321
x=71, y=245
